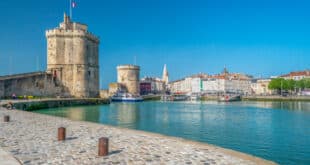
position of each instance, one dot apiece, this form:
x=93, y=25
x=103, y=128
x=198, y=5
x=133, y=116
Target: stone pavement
x=7, y=159
x=32, y=138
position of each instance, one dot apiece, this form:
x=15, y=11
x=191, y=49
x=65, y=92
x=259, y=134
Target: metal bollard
x=61, y=133
x=103, y=149
x=6, y=118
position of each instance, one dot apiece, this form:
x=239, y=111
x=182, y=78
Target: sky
x=258, y=37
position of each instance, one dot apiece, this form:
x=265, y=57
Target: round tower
x=129, y=76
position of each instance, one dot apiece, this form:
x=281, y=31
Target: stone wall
x=32, y=84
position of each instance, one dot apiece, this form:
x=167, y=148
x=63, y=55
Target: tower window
x=89, y=73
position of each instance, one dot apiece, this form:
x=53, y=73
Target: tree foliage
x=290, y=85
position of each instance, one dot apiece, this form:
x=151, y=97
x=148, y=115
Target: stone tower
x=129, y=76
x=72, y=58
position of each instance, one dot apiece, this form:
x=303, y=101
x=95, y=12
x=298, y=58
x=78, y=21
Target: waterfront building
x=223, y=85
x=212, y=84
x=145, y=88
x=226, y=82
x=260, y=87
x=152, y=85
x=188, y=85
x=297, y=75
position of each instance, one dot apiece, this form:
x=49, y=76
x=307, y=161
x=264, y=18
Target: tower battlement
x=71, y=29
x=71, y=33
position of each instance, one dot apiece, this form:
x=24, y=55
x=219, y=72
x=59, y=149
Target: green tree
x=275, y=84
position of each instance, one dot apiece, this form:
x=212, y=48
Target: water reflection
x=127, y=113
x=288, y=105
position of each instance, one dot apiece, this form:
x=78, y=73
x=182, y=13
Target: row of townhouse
x=299, y=75
x=222, y=83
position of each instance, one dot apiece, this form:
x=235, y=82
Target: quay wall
x=275, y=98
x=30, y=105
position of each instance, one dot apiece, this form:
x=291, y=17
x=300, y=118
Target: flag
x=73, y=4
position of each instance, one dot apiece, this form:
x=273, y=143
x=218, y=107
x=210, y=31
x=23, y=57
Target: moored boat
x=174, y=97
x=228, y=98
x=125, y=97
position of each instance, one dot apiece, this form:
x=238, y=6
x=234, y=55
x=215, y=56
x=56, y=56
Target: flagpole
x=71, y=9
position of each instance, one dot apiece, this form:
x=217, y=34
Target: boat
x=228, y=98
x=174, y=97
x=125, y=97
x=195, y=97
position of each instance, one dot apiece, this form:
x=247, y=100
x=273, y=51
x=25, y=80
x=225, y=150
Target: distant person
x=13, y=96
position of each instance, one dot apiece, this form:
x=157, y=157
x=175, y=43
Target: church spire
x=165, y=75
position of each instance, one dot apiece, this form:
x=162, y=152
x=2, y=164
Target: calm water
x=271, y=130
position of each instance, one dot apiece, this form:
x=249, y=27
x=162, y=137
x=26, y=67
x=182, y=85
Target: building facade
x=260, y=87
x=297, y=75
x=212, y=84
x=152, y=85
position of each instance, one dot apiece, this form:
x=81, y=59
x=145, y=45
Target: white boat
x=174, y=97
x=125, y=97
x=194, y=97
x=228, y=98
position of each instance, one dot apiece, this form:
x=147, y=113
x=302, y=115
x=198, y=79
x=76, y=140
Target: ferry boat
x=125, y=97
x=228, y=98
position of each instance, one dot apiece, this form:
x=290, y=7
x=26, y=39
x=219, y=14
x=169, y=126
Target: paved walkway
x=7, y=159
x=31, y=138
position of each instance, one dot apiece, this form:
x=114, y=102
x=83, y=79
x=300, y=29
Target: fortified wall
x=72, y=66
x=35, y=84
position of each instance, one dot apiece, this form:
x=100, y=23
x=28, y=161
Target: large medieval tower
x=72, y=58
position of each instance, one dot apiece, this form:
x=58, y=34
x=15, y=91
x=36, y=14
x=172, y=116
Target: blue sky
x=257, y=37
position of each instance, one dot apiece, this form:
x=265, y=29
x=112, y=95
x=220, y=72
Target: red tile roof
x=299, y=73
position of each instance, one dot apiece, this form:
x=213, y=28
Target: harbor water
x=277, y=131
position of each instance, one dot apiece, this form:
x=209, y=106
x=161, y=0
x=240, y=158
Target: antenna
x=10, y=65
x=37, y=62
x=70, y=9
x=135, y=60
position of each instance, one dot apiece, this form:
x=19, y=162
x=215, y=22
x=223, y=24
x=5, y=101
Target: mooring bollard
x=61, y=133
x=6, y=118
x=103, y=149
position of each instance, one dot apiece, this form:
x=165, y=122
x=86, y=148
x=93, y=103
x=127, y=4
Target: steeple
x=165, y=75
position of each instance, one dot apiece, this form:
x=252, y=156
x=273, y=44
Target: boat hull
x=230, y=98
x=126, y=99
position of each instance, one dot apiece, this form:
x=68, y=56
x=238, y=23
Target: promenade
x=32, y=139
